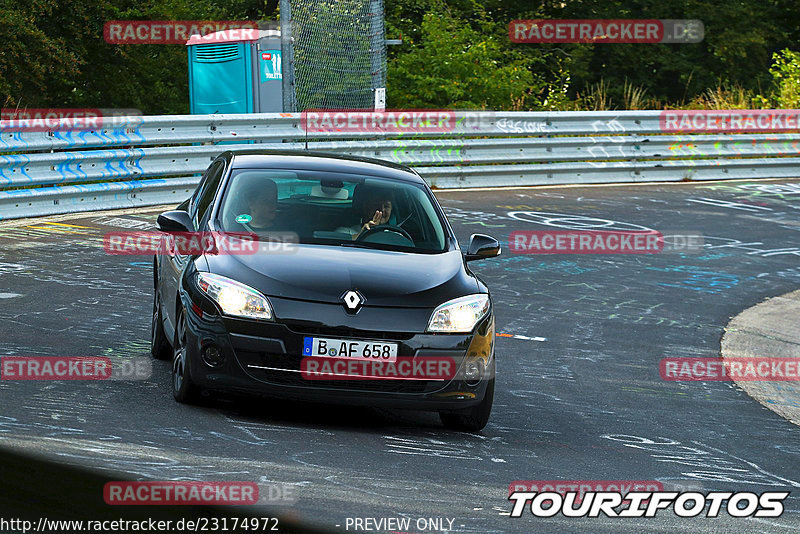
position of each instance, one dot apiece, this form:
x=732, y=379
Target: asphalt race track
x=579, y=394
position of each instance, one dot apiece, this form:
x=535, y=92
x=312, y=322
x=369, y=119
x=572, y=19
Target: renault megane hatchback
x=332, y=279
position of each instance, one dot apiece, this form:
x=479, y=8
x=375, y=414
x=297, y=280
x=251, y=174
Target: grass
x=595, y=97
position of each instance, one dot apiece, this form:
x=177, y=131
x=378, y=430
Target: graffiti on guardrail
x=425, y=152
x=613, y=126
x=694, y=151
x=601, y=147
x=522, y=126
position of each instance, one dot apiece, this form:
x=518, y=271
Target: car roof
x=321, y=161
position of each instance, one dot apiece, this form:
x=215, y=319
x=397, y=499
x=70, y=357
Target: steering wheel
x=385, y=228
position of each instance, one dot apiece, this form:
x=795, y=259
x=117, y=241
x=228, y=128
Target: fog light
x=213, y=356
x=473, y=371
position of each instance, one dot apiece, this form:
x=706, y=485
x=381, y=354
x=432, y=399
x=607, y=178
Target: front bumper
x=265, y=358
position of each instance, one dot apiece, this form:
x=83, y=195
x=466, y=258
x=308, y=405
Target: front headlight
x=459, y=315
x=235, y=298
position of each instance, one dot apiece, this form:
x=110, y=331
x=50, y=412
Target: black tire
x=183, y=389
x=472, y=419
x=159, y=346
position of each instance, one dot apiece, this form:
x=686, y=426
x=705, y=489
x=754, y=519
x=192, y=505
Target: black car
x=363, y=298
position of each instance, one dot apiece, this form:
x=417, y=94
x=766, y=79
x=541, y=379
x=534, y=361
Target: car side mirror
x=481, y=247
x=175, y=221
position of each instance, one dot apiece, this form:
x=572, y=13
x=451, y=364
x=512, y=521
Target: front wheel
x=472, y=419
x=183, y=389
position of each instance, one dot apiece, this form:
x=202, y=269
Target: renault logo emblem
x=352, y=300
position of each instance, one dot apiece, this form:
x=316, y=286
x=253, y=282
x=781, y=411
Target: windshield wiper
x=355, y=244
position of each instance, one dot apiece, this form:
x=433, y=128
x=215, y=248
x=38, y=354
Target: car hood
x=323, y=273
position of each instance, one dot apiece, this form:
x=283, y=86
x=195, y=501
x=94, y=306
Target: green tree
x=786, y=72
x=32, y=62
x=453, y=65
x=739, y=39
x=54, y=54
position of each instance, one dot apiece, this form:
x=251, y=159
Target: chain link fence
x=336, y=51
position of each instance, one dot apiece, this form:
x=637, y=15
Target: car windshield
x=329, y=208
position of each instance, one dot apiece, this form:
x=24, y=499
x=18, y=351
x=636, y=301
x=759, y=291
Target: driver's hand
x=376, y=220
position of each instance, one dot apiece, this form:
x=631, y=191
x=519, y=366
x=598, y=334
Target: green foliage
x=455, y=54
x=32, y=60
x=785, y=71
x=738, y=36
x=455, y=66
x=54, y=54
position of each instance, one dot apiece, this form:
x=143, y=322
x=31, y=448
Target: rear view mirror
x=482, y=246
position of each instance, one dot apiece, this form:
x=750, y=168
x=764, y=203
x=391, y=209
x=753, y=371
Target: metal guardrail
x=155, y=160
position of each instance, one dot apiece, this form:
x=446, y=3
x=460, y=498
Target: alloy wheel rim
x=179, y=358
x=156, y=310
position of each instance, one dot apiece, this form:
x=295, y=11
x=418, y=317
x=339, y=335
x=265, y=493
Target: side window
x=209, y=190
x=192, y=201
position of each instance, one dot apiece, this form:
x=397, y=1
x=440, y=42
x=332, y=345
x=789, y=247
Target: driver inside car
x=376, y=211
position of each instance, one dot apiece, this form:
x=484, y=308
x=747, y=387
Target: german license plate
x=322, y=347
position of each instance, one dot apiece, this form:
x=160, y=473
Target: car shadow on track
x=327, y=416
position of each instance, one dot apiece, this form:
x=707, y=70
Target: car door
x=173, y=263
